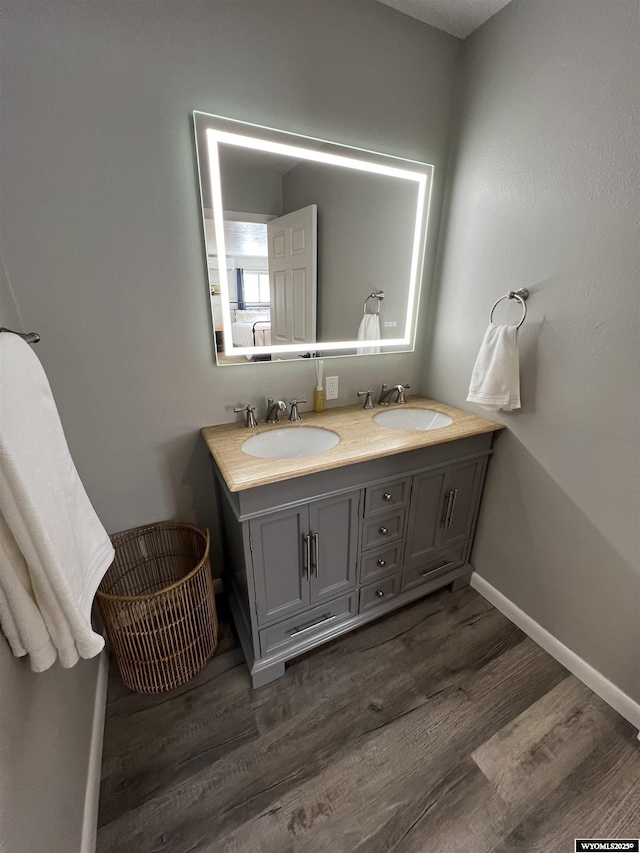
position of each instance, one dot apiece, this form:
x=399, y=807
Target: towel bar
x=29, y=337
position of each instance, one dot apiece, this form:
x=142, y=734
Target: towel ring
x=379, y=296
x=521, y=295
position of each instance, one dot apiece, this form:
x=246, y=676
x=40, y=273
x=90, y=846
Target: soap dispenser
x=318, y=394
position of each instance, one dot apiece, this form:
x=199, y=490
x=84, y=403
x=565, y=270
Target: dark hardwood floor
x=440, y=728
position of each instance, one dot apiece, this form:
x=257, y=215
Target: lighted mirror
x=313, y=248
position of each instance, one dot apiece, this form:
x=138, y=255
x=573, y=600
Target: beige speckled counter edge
x=361, y=439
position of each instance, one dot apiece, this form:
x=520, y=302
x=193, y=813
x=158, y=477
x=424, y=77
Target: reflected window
x=256, y=286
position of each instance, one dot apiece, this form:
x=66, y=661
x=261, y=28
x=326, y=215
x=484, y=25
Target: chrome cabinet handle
x=443, y=566
x=387, y=497
x=380, y=593
x=382, y=562
x=326, y=618
x=445, y=511
x=306, y=554
x=451, y=508
x=315, y=555
x=383, y=531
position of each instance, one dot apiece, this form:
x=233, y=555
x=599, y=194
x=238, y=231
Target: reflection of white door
x=293, y=249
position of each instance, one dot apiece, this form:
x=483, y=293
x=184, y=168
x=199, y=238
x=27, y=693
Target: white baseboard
x=596, y=681
x=92, y=793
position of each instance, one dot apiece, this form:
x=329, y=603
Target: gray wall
x=544, y=194
x=46, y=721
x=100, y=215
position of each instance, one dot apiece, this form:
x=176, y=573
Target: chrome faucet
x=251, y=421
x=273, y=407
x=295, y=414
x=385, y=394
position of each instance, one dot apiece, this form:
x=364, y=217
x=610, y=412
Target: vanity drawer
x=376, y=532
x=377, y=564
x=379, y=500
x=439, y=565
x=376, y=593
x=307, y=624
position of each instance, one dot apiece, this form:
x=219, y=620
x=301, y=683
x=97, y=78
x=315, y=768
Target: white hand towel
x=495, y=382
x=50, y=526
x=369, y=331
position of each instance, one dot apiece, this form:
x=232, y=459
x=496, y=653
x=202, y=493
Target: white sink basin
x=412, y=419
x=291, y=443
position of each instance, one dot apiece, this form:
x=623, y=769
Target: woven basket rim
x=134, y=534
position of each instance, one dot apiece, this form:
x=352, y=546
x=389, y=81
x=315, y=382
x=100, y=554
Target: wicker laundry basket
x=158, y=607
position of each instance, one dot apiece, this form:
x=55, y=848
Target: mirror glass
x=313, y=248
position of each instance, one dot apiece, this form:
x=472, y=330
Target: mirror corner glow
x=313, y=248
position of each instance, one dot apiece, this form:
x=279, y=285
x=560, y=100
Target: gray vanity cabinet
x=304, y=556
x=443, y=509
x=312, y=557
x=424, y=533
x=279, y=554
x=462, y=491
x=333, y=525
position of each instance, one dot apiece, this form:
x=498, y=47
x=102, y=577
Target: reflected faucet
x=385, y=394
x=272, y=410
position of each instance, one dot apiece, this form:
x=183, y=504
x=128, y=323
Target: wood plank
x=366, y=745
x=599, y=799
x=533, y=754
x=173, y=740
x=348, y=756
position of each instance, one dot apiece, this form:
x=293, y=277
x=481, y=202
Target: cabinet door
x=333, y=524
x=461, y=500
x=425, y=517
x=280, y=565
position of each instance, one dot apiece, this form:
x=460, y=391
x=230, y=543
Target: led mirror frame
x=423, y=180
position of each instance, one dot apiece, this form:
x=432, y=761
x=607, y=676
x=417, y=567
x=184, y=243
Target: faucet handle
x=401, y=398
x=250, y=409
x=295, y=414
x=368, y=403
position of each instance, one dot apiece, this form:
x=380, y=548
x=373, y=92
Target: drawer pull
x=326, y=618
x=383, y=531
x=387, y=497
x=381, y=562
x=443, y=566
x=380, y=593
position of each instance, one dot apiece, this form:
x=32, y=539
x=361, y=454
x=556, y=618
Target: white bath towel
x=21, y=621
x=495, y=382
x=50, y=530
x=369, y=331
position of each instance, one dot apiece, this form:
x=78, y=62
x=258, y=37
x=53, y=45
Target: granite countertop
x=361, y=439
